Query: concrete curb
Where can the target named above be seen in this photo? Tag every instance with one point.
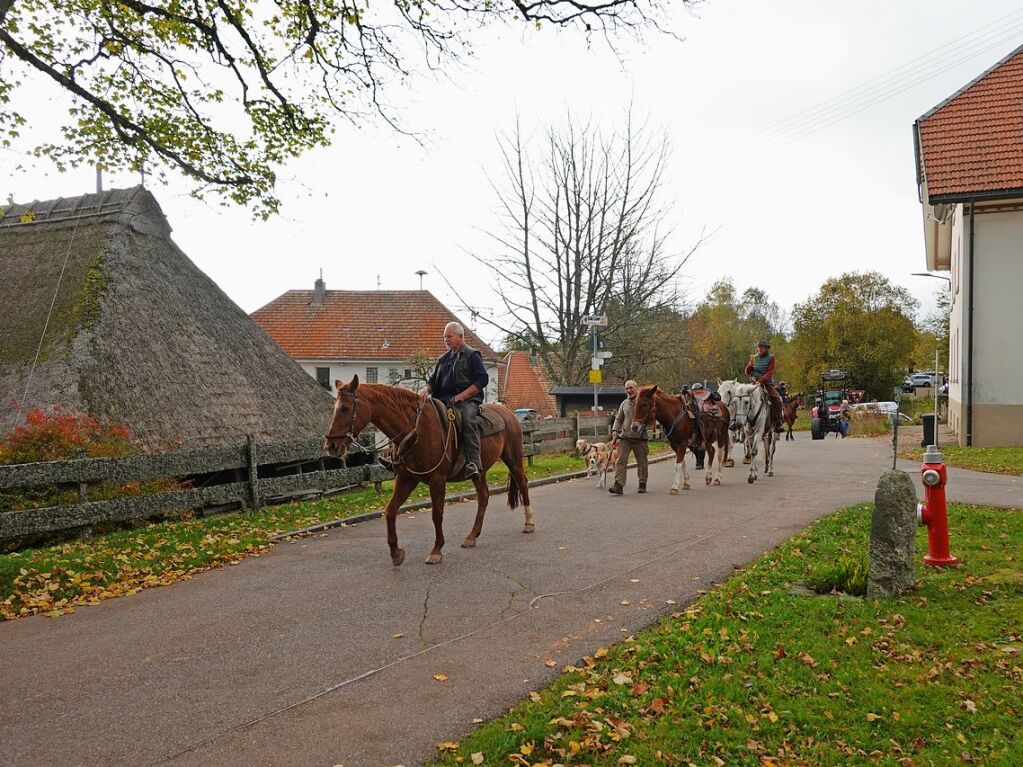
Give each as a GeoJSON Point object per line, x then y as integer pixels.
{"type": "Point", "coordinates": [455, 497]}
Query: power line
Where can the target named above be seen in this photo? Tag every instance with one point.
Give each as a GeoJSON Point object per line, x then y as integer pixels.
{"type": "Point", "coordinates": [900, 78]}
{"type": "Point", "coordinates": [812, 127]}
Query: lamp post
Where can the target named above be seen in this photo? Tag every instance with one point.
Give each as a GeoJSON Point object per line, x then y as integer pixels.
{"type": "Point", "coordinates": [935, 276]}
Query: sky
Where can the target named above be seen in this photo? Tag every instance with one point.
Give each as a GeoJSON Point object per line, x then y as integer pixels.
{"type": "Point", "coordinates": [786, 206]}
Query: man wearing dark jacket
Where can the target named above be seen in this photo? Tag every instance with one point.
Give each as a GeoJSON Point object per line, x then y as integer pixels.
{"type": "Point", "coordinates": [459, 380]}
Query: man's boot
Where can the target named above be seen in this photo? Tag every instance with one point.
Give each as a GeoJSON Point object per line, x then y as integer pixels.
{"type": "Point", "coordinates": [616, 489]}
{"type": "Point", "coordinates": [642, 487]}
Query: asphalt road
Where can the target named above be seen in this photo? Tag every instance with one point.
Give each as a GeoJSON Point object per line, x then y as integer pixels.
{"type": "Point", "coordinates": [292, 658]}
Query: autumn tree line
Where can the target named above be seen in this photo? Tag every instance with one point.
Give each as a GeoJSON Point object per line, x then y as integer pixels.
{"type": "Point", "coordinates": [585, 229]}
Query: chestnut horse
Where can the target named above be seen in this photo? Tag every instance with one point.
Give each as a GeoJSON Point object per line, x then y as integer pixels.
{"type": "Point", "coordinates": [788, 414]}
{"type": "Point", "coordinates": [426, 452]}
{"type": "Point", "coordinates": [677, 418]}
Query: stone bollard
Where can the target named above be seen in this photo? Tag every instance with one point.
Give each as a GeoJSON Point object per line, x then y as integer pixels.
{"type": "Point", "coordinates": [892, 536]}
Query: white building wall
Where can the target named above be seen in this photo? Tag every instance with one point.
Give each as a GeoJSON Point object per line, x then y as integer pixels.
{"type": "Point", "coordinates": [346, 369]}
{"type": "Point", "coordinates": [998, 308]}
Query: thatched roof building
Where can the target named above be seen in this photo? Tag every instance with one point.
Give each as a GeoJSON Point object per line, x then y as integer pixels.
{"type": "Point", "coordinates": [136, 331]}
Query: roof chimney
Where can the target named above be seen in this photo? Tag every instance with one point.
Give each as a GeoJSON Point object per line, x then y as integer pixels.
{"type": "Point", "coordinates": [319, 290]}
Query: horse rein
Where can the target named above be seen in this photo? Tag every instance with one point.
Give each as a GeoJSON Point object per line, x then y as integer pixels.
{"type": "Point", "coordinates": [353, 435]}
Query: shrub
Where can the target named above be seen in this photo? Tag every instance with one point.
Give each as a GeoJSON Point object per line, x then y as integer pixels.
{"type": "Point", "coordinates": [848, 576]}
{"type": "Point", "coordinates": [58, 435]}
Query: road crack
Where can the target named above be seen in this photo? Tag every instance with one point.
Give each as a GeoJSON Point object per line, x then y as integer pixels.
{"type": "Point", "coordinates": [422, 622]}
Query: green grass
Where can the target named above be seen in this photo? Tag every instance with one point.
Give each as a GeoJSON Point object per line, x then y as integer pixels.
{"type": "Point", "coordinates": [997, 460]}
{"type": "Point", "coordinates": [53, 579]}
{"type": "Point", "coordinates": [751, 674]}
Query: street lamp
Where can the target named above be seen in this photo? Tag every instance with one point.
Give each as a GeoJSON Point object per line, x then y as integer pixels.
{"type": "Point", "coordinates": [935, 276]}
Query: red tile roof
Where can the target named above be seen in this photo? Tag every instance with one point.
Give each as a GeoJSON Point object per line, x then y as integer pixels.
{"type": "Point", "coordinates": [526, 385]}
{"type": "Point", "coordinates": [973, 141]}
{"type": "Point", "coordinates": [361, 325]}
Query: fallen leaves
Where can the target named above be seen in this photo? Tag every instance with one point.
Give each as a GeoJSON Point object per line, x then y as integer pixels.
{"type": "Point", "coordinates": [441, 677]}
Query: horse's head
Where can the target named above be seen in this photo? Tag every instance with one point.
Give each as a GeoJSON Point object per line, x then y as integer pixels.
{"type": "Point", "coordinates": [350, 416]}
{"type": "Point", "coordinates": [739, 400]}
{"type": "Point", "coordinates": [645, 413]}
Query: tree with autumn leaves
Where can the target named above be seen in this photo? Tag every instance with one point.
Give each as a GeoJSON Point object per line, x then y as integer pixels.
{"type": "Point", "coordinates": [859, 322]}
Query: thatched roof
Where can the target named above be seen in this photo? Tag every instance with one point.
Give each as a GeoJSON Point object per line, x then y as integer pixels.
{"type": "Point", "coordinates": [137, 332]}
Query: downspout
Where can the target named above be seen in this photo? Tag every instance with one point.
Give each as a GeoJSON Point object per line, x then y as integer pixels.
{"type": "Point", "coordinates": [969, 334]}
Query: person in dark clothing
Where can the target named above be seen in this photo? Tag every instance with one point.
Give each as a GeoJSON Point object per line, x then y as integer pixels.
{"type": "Point", "coordinates": [700, 394]}
{"type": "Point", "coordinates": [783, 392]}
{"type": "Point", "coordinates": [459, 380]}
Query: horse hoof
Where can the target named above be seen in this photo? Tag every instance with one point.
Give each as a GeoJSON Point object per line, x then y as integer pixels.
{"type": "Point", "coordinates": [751, 480]}
{"type": "Point", "coordinates": [729, 463]}
{"type": "Point", "coordinates": [398, 558]}
{"type": "Point", "coordinates": [673, 491]}
{"type": "Point", "coordinates": [469, 543]}
{"type": "Point", "coordinates": [528, 527]}
{"type": "Point", "coordinates": [685, 486]}
{"type": "Point", "coordinates": [770, 473]}
{"type": "Point", "coordinates": [717, 482]}
{"type": "Point", "coordinates": [707, 479]}
{"type": "Point", "coordinates": [433, 559]}
{"type": "Point", "coordinates": [745, 460]}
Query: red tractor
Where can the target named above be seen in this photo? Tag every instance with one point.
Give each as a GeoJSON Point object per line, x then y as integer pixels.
{"type": "Point", "coordinates": [827, 410]}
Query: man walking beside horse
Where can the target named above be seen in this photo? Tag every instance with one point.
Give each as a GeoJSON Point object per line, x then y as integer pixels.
{"type": "Point", "coordinates": [760, 369]}
{"type": "Point", "coordinates": [632, 439]}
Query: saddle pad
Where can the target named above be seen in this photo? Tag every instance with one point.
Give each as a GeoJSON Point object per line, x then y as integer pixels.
{"type": "Point", "coordinates": [491, 422]}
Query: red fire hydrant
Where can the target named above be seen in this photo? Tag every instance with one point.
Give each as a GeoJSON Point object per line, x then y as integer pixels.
{"type": "Point", "coordinates": [933, 512]}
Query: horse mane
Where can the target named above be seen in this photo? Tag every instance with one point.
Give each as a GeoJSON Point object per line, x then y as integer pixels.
{"type": "Point", "coordinates": [397, 397]}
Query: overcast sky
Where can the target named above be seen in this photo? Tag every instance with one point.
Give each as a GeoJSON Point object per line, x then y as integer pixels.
{"type": "Point", "coordinates": [786, 214]}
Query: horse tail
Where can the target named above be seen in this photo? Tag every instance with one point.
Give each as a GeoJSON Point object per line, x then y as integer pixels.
{"type": "Point", "coordinates": [513, 491]}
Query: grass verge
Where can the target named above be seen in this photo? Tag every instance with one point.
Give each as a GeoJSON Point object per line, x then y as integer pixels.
{"type": "Point", "coordinates": [753, 675]}
{"type": "Point", "coordinates": [54, 579]}
{"type": "Point", "coordinates": [997, 460]}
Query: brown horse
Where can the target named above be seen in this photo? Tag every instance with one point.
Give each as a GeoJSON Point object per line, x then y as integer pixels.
{"type": "Point", "coordinates": [426, 452]}
{"type": "Point", "coordinates": [677, 416]}
{"type": "Point", "coordinates": [789, 414]}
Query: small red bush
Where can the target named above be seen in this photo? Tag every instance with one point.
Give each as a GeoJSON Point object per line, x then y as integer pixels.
{"type": "Point", "coordinates": [58, 434]}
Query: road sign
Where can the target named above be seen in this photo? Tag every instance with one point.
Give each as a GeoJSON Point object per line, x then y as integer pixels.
{"type": "Point", "coordinates": [594, 319]}
{"type": "Point", "coordinates": [604, 355]}
{"type": "Point", "coordinates": [594, 376]}
{"type": "Point", "coordinates": [596, 363]}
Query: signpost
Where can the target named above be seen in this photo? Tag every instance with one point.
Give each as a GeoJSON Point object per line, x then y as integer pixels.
{"type": "Point", "coordinates": [595, 321]}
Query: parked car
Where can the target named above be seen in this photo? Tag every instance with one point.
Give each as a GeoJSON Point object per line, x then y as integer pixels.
{"type": "Point", "coordinates": [526, 414]}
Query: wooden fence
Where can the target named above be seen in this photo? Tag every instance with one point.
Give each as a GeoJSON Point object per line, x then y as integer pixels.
{"type": "Point", "coordinates": [244, 462]}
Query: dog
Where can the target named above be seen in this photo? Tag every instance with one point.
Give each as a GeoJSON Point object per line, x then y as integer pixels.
{"type": "Point", "coordinates": [600, 458]}
{"type": "Point", "coordinates": [591, 454]}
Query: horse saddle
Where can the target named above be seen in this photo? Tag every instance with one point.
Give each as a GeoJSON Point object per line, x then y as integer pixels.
{"type": "Point", "coordinates": [489, 422]}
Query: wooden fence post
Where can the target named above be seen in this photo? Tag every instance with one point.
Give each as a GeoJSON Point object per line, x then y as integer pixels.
{"type": "Point", "coordinates": [84, 532]}
{"type": "Point", "coordinates": [529, 458]}
{"type": "Point", "coordinates": [578, 430]}
{"type": "Point", "coordinates": [250, 444]}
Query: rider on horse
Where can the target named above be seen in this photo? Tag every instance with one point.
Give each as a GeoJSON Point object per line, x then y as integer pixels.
{"type": "Point", "coordinates": [459, 380]}
{"type": "Point", "coordinates": [760, 368]}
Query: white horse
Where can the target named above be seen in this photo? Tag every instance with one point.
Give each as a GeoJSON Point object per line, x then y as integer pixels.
{"type": "Point", "coordinates": [750, 407]}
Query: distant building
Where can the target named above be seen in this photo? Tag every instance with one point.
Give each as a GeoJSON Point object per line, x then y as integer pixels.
{"type": "Point", "coordinates": [969, 165]}
{"type": "Point", "coordinates": [377, 334]}
{"type": "Point", "coordinates": [525, 385]}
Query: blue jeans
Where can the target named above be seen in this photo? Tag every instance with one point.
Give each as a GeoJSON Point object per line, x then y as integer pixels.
{"type": "Point", "coordinates": [843, 428]}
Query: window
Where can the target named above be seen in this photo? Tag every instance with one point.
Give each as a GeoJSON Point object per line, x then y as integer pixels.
{"type": "Point", "coordinates": [323, 377]}
{"type": "Point", "coordinates": [392, 376]}
{"type": "Point", "coordinates": [371, 375]}
{"type": "Point", "coordinates": [408, 374]}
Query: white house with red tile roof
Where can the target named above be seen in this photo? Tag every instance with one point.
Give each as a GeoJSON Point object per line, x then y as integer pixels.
{"type": "Point", "coordinates": [969, 165]}
{"type": "Point", "coordinates": [336, 334]}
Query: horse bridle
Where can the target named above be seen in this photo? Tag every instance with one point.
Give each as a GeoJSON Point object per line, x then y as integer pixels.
{"type": "Point", "coordinates": [747, 418]}
{"type": "Point", "coordinates": [351, 434]}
